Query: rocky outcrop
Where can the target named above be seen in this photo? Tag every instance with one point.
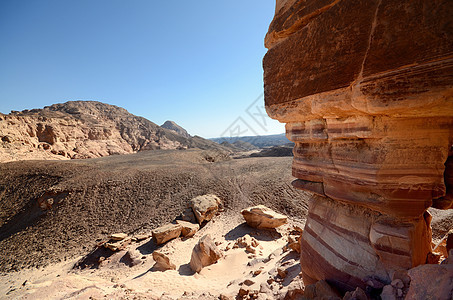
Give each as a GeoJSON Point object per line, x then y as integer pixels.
{"type": "Point", "coordinates": [165, 233]}
{"type": "Point", "coordinates": [204, 253]}
{"type": "Point", "coordinates": [176, 128]}
{"type": "Point", "coordinates": [366, 93]}
{"type": "Point", "coordinates": [261, 216]}
{"type": "Point", "coordinates": [205, 207]}
{"type": "Point", "coordinates": [85, 129]}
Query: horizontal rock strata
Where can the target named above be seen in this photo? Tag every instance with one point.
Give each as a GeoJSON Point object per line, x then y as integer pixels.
{"type": "Point", "coordinates": [366, 91]}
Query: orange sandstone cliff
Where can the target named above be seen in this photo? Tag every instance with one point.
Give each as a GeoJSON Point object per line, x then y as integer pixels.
{"type": "Point", "coordinates": [366, 91]}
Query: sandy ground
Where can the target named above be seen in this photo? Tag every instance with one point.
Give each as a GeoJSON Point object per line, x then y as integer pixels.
{"type": "Point", "coordinates": [115, 279]}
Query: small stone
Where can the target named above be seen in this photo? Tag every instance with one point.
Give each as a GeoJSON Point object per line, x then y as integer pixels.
{"type": "Point", "coordinates": [282, 272]}
{"type": "Point", "coordinates": [188, 229]}
{"type": "Point", "coordinates": [257, 272]}
{"type": "Point", "coordinates": [248, 282]}
{"type": "Point", "coordinates": [141, 237]}
{"type": "Point", "coordinates": [388, 293]}
{"type": "Point", "coordinates": [118, 236]}
{"type": "Point", "coordinates": [162, 262]}
{"type": "Point", "coordinates": [243, 292]}
{"type": "Point", "coordinates": [398, 283]}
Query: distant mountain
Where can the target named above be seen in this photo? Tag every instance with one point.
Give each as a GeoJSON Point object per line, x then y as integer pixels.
{"type": "Point", "coordinates": [85, 129]}
{"type": "Point", "coordinates": [176, 128]}
{"type": "Point", "coordinates": [259, 141]}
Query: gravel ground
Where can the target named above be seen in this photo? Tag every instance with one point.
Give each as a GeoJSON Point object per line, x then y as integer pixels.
{"type": "Point", "coordinates": [55, 210]}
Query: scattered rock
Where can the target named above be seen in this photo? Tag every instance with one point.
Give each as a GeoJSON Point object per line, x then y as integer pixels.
{"type": "Point", "coordinates": [188, 215]}
{"type": "Point", "coordinates": [262, 217]}
{"type": "Point", "coordinates": [388, 293]}
{"type": "Point", "coordinates": [295, 289]}
{"type": "Point", "coordinates": [162, 262]}
{"type": "Point", "coordinates": [118, 236]}
{"type": "Point", "coordinates": [321, 290]}
{"type": "Point", "coordinates": [204, 253]}
{"type": "Point", "coordinates": [248, 282]}
{"type": "Point", "coordinates": [188, 229]}
{"type": "Point", "coordinates": [205, 207]}
{"type": "Point", "coordinates": [449, 244]}
{"type": "Point", "coordinates": [431, 282]}
{"type": "Point", "coordinates": [397, 283]}
{"type": "Point", "coordinates": [165, 233]}
{"type": "Point", "coordinates": [118, 245]}
{"type": "Point", "coordinates": [358, 294]}
{"type": "Point", "coordinates": [282, 272]}
{"type": "Point", "coordinates": [141, 237]}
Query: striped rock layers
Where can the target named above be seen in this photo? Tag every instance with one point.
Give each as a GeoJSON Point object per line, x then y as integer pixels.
{"type": "Point", "coordinates": [366, 90]}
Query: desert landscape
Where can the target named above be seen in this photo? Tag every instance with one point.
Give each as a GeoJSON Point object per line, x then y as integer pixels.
{"type": "Point", "coordinates": [353, 202]}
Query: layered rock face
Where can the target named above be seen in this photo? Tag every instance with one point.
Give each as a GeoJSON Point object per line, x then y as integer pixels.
{"type": "Point", "coordinates": [366, 91]}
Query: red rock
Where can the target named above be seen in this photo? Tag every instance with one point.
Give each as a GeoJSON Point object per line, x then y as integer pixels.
{"type": "Point", "coordinates": [367, 95]}
{"type": "Point", "coordinates": [431, 282]}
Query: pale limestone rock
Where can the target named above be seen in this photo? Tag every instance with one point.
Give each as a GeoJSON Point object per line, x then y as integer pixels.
{"type": "Point", "coordinates": [204, 253]}
{"type": "Point", "coordinates": [188, 229]}
{"type": "Point", "coordinates": [166, 233]}
{"type": "Point", "coordinates": [118, 236]}
{"type": "Point", "coordinates": [262, 217]}
{"type": "Point", "coordinates": [205, 207]}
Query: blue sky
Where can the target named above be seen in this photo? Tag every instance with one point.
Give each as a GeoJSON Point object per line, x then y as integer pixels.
{"type": "Point", "coordinates": [198, 63]}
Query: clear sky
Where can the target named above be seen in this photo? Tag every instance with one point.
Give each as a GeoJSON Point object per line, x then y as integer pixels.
{"type": "Point", "coordinates": [198, 63]}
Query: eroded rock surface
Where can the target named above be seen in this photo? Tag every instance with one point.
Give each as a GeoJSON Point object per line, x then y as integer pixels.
{"type": "Point", "coordinates": [365, 88]}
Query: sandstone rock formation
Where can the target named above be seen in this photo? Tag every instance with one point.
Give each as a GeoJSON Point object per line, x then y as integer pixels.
{"type": "Point", "coordinates": [176, 128]}
{"type": "Point", "coordinates": [204, 253]}
{"type": "Point", "coordinates": [366, 91]}
{"type": "Point", "coordinates": [165, 233]}
{"type": "Point", "coordinates": [205, 207]}
{"type": "Point", "coordinates": [162, 262]}
{"type": "Point", "coordinates": [85, 129]}
{"type": "Point", "coordinates": [261, 216]}
{"type": "Point", "coordinates": [188, 229]}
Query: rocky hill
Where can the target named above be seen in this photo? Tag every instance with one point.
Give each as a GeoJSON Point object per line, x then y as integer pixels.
{"type": "Point", "coordinates": [176, 128]}
{"type": "Point", "coordinates": [259, 141]}
{"type": "Point", "coordinates": [86, 129]}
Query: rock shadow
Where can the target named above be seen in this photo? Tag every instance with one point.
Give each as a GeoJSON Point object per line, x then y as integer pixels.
{"type": "Point", "coordinates": [93, 259]}
{"type": "Point", "coordinates": [185, 270]}
{"type": "Point", "coordinates": [259, 234]}
{"type": "Point", "coordinates": [148, 248]}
